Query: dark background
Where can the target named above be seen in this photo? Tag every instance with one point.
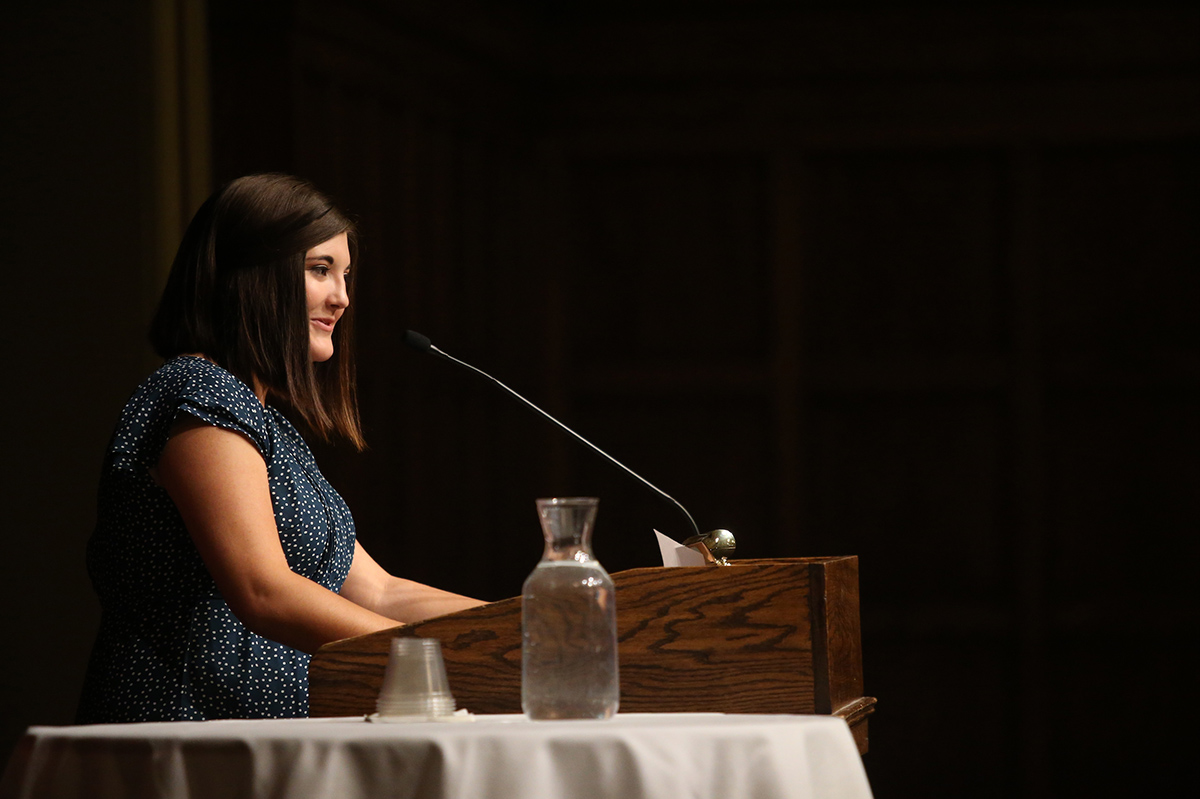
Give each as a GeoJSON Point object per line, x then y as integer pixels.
{"type": "Point", "coordinates": [913, 284]}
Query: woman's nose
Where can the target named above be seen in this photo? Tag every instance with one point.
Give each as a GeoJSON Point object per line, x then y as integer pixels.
{"type": "Point", "coordinates": [340, 296]}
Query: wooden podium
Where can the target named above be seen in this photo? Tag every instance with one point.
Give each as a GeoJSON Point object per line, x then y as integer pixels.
{"type": "Point", "coordinates": [758, 636]}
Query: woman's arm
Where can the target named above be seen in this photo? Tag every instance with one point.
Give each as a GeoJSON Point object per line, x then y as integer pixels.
{"type": "Point", "coordinates": [218, 480]}
{"type": "Point", "coordinates": [370, 586]}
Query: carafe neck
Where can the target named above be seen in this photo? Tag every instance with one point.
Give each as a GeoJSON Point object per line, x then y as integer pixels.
{"type": "Point", "coordinates": [567, 528]}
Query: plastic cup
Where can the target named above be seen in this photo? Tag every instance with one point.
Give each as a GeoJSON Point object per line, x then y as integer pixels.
{"type": "Point", "coordinates": [415, 683]}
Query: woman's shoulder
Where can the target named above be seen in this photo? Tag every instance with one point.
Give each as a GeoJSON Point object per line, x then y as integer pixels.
{"type": "Point", "coordinates": [205, 390]}
{"type": "Point", "coordinates": [194, 377]}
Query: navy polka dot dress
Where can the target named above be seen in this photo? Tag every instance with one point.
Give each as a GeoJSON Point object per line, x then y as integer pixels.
{"type": "Point", "coordinates": [168, 646]}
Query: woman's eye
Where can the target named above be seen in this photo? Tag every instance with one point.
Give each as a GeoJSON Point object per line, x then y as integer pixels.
{"type": "Point", "coordinates": [319, 269]}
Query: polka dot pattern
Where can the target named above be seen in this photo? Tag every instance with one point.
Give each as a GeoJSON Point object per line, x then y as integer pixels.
{"type": "Point", "coordinates": [169, 647]}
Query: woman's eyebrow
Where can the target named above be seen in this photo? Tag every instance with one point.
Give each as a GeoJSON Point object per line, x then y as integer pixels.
{"type": "Point", "coordinates": [326, 258]}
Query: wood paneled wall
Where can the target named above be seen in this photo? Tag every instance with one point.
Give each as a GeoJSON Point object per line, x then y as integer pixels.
{"type": "Point", "coordinates": [915, 286]}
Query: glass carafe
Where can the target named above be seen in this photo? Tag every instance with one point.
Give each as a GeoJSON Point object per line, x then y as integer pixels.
{"type": "Point", "coordinates": [569, 621]}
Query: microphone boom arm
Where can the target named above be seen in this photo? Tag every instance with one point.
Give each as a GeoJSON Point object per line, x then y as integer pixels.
{"type": "Point", "coordinates": [420, 342]}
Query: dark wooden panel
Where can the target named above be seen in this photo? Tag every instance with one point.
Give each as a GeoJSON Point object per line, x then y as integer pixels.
{"type": "Point", "coordinates": [657, 42]}
{"type": "Point", "coordinates": [670, 261]}
{"type": "Point", "coordinates": [253, 105]}
{"type": "Point", "coordinates": [1120, 248]}
{"type": "Point", "coordinates": [952, 726]}
{"type": "Point", "coordinates": [1125, 467]}
{"type": "Point", "coordinates": [1121, 721]}
{"type": "Point", "coordinates": [903, 256]}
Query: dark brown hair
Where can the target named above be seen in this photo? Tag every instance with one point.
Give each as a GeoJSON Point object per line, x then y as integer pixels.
{"type": "Point", "coordinates": [236, 294]}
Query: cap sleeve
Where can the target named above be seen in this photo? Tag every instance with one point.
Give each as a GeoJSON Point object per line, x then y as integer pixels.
{"type": "Point", "coordinates": [216, 397]}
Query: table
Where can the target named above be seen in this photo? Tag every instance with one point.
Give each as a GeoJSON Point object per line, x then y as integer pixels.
{"type": "Point", "coordinates": [653, 755]}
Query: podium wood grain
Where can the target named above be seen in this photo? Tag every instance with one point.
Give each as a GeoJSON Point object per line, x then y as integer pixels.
{"type": "Point", "coordinates": [761, 636]}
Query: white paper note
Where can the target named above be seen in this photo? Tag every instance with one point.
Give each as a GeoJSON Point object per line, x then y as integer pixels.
{"type": "Point", "coordinates": [676, 554]}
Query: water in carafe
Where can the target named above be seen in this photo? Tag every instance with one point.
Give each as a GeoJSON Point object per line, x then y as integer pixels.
{"type": "Point", "coordinates": [569, 622]}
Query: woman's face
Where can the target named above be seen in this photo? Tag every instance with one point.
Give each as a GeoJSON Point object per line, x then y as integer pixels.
{"type": "Point", "coordinates": [326, 271]}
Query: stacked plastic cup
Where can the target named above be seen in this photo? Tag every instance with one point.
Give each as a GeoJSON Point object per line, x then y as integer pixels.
{"type": "Point", "coordinates": [415, 683]}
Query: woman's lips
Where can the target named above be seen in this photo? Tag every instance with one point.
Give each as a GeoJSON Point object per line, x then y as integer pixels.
{"type": "Point", "coordinates": [323, 324]}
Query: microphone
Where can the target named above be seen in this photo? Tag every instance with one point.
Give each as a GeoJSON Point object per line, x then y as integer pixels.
{"type": "Point", "coordinates": [417, 341]}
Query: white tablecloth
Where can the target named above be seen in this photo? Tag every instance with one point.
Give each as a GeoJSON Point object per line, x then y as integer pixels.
{"type": "Point", "coordinates": [663, 756]}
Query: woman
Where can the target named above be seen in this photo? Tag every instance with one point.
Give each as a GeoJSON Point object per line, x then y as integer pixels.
{"type": "Point", "coordinates": [221, 556]}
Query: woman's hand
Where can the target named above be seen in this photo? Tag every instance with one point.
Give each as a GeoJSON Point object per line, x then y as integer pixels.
{"type": "Point", "coordinates": [218, 481]}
